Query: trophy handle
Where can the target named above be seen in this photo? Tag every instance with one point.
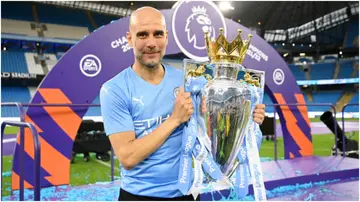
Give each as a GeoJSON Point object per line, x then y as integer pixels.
{"type": "Point", "coordinates": [260, 75]}
{"type": "Point", "coordinates": [192, 68]}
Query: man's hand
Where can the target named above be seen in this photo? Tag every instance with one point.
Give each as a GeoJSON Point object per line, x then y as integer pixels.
{"type": "Point", "coordinates": [183, 108]}
{"type": "Point", "coordinates": [259, 113]}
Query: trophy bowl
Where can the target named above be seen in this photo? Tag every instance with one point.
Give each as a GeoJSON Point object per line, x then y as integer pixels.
{"type": "Point", "coordinates": [226, 114]}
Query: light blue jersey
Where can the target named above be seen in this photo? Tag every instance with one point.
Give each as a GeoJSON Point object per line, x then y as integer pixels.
{"type": "Point", "coordinates": [129, 103]}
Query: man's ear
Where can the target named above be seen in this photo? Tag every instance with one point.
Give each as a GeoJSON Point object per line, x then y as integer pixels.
{"type": "Point", "coordinates": [128, 37]}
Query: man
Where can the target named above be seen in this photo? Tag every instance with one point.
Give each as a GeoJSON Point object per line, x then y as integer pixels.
{"type": "Point", "coordinates": [143, 115]}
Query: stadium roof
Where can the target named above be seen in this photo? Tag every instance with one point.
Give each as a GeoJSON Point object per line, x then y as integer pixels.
{"type": "Point", "coordinates": [271, 15]}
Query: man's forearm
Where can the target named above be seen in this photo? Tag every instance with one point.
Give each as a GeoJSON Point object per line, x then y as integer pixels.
{"type": "Point", "coordinates": [139, 149]}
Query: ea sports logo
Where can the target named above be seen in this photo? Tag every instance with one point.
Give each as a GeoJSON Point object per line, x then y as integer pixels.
{"type": "Point", "coordinates": [191, 19]}
{"type": "Point", "coordinates": [278, 76]}
{"type": "Point", "coordinates": [90, 65]}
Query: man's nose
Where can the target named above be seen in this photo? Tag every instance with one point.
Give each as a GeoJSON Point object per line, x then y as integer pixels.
{"type": "Point", "coordinates": [151, 42]}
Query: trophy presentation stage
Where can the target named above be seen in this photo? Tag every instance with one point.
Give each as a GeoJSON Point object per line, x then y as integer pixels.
{"type": "Point", "coordinates": [307, 178]}
{"type": "Point", "coordinates": [299, 176]}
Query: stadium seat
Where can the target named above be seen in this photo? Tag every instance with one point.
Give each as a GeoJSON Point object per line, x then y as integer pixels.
{"type": "Point", "coordinates": [346, 69]}
{"type": "Point", "coordinates": [13, 61]}
{"type": "Point", "coordinates": [322, 71]}
{"type": "Point", "coordinates": [13, 94]}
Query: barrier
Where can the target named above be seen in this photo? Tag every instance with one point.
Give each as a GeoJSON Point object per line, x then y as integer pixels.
{"type": "Point", "coordinates": [21, 106]}
{"type": "Point", "coordinates": [295, 104]}
{"type": "Point", "coordinates": [343, 123]}
{"type": "Point", "coordinates": [37, 157]}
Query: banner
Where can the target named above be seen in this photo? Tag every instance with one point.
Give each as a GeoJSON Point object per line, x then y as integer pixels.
{"type": "Point", "coordinates": [20, 79]}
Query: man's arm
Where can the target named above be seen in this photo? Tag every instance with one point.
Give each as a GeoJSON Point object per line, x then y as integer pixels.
{"type": "Point", "coordinates": [131, 151]}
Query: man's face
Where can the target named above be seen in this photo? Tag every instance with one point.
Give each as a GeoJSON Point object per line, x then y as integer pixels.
{"type": "Point", "coordinates": [148, 37]}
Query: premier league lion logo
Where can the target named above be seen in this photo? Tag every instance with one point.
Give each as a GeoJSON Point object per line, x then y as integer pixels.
{"type": "Point", "coordinates": [198, 22]}
{"type": "Point", "coordinates": [190, 21]}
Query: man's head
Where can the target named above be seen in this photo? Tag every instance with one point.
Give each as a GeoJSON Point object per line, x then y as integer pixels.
{"type": "Point", "coordinates": [148, 36]}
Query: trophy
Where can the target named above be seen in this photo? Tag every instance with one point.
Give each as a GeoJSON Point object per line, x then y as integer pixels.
{"type": "Point", "coordinates": [223, 109]}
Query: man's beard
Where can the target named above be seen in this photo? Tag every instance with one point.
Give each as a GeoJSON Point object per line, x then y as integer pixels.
{"type": "Point", "coordinates": [151, 64]}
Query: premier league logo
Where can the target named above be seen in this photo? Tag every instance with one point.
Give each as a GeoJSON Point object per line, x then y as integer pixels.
{"type": "Point", "coordinates": [198, 22]}
{"type": "Point", "coordinates": [191, 19]}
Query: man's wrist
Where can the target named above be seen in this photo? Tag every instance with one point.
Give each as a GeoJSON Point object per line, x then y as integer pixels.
{"type": "Point", "coordinates": [174, 122]}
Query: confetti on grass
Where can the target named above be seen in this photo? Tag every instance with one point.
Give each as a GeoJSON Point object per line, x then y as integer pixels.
{"type": "Point", "coordinates": [6, 174]}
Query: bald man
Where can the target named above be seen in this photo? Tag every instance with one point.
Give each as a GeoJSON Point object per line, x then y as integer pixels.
{"type": "Point", "coordinates": [143, 116]}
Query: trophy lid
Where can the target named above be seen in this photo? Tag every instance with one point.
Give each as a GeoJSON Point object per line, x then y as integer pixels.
{"type": "Point", "coordinates": [221, 51]}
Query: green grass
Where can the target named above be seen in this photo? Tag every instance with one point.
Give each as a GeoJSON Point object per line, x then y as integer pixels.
{"type": "Point", "coordinates": [11, 130]}
{"type": "Point", "coordinates": [81, 172]}
{"type": "Point", "coordinates": [322, 145]}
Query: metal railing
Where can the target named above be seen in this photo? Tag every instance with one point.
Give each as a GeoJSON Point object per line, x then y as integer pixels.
{"type": "Point", "coordinates": [37, 158]}
{"type": "Point", "coordinates": [297, 105]}
{"type": "Point", "coordinates": [343, 123]}
{"type": "Point", "coordinates": [21, 106]}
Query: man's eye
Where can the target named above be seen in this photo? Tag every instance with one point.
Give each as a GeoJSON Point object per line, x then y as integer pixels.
{"type": "Point", "coordinates": [142, 35]}
{"type": "Point", "coordinates": [160, 34]}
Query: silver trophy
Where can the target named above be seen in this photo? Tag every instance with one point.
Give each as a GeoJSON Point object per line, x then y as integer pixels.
{"type": "Point", "coordinates": [225, 109]}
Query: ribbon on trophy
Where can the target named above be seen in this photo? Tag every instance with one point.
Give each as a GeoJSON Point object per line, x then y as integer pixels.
{"type": "Point", "coordinates": [194, 136]}
{"type": "Point", "coordinates": [241, 183]}
{"type": "Point", "coordinates": [252, 143]}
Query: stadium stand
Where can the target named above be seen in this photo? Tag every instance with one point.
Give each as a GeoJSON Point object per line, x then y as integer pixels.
{"type": "Point", "coordinates": [33, 67]}
{"type": "Point", "coordinates": [65, 31]}
{"type": "Point", "coordinates": [17, 27]}
{"type": "Point", "coordinates": [66, 23]}
{"type": "Point", "coordinates": [346, 69]}
{"type": "Point", "coordinates": [325, 97]}
{"type": "Point", "coordinates": [322, 71]}
{"type": "Point", "coordinates": [13, 94]}
{"type": "Point", "coordinates": [354, 100]}
{"type": "Point", "coordinates": [352, 35]}
{"type": "Point", "coordinates": [299, 74]}
{"type": "Point", "coordinates": [25, 28]}
{"type": "Point", "coordinates": [13, 61]}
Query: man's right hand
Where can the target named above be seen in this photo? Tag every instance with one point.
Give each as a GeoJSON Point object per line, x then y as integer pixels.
{"type": "Point", "coordinates": [183, 107]}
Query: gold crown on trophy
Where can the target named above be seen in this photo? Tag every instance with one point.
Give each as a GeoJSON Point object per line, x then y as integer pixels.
{"type": "Point", "coordinates": [223, 51]}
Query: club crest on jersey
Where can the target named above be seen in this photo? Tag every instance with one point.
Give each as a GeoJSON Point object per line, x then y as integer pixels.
{"type": "Point", "coordinates": [176, 91]}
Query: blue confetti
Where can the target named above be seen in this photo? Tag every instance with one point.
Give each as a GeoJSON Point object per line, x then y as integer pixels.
{"type": "Point", "coordinates": [6, 174]}
{"type": "Point", "coordinates": [310, 197]}
{"type": "Point", "coordinates": [110, 193]}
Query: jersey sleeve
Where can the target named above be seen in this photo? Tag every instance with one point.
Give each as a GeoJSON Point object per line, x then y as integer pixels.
{"type": "Point", "coordinates": [115, 110]}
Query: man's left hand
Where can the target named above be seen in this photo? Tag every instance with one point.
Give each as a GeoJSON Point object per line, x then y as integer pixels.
{"type": "Point", "coordinates": [259, 113]}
